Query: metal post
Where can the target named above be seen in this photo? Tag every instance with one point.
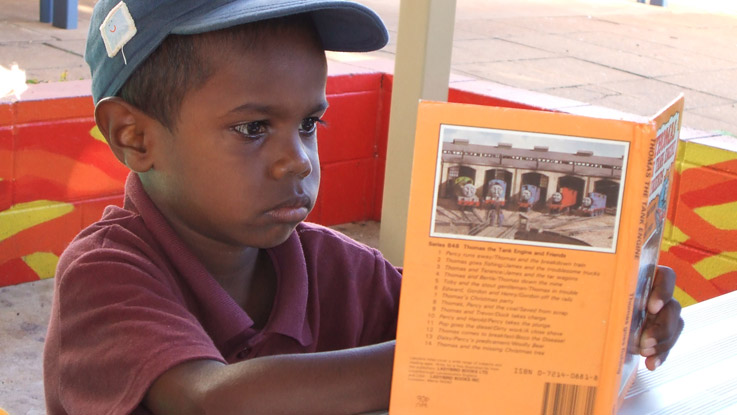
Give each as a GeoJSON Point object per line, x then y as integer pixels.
{"type": "Point", "coordinates": [421, 71]}
{"type": "Point", "coordinates": [65, 14]}
{"type": "Point", "coordinates": [46, 10]}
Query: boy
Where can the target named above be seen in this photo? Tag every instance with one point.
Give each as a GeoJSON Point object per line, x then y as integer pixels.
{"type": "Point", "coordinates": [206, 293]}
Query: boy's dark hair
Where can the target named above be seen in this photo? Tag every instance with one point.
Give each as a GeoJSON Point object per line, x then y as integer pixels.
{"type": "Point", "coordinates": [177, 66]}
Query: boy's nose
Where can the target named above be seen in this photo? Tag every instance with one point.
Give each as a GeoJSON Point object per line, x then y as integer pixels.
{"type": "Point", "coordinates": [293, 158]}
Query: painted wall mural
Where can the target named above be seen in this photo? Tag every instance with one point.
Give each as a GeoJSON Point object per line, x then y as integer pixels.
{"type": "Point", "coordinates": [56, 178]}
{"type": "Point", "coordinates": [701, 235]}
{"type": "Point", "coordinates": [57, 175]}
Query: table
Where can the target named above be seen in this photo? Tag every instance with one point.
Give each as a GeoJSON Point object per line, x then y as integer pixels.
{"type": "Point", "coordinates": [700, 374]}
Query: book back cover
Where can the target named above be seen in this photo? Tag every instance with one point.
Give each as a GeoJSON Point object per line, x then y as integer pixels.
{"type": "Point", "coordinates": [522, 236]}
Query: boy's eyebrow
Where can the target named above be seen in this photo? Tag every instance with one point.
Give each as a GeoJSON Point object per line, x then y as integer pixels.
{"type": "Point", "coordinates": [270, 109]}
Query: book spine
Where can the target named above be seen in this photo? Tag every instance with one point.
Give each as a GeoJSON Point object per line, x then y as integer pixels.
{"type": "Point", "coordinates": [616, 359]}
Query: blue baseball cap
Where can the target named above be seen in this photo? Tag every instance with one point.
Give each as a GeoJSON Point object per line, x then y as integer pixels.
{"type": "Point", "coordinates": [124, 33]}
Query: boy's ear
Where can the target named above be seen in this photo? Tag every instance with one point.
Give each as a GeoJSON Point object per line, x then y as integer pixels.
{"type": "Point", "coordinates": [124, 127]}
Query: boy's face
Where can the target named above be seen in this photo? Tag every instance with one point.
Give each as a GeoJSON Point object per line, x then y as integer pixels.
{"type": "Point", "coordinates": [241, 166]}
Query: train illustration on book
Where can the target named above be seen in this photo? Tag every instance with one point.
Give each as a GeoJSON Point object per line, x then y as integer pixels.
{"type": "Point", "coordinates": [565, 200]}
{"type": "Point", "coordinates": [497, 189]}
{"type": "Point", "coordinates": [466, 192]}
{"type": "Point", "coordinates": [529, 195]}
{"type": "Point", "coordinates": [530, 205]}
{"type": "Point", "coordinates": [594, 204]}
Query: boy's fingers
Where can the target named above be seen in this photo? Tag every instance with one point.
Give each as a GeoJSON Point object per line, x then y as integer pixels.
{"type": "Point", "coordinates": [664, 324]}
{"type": "Point", "coordinates": [653, 362]}
{"type": "Point", "coordinates": [662, 330]}
{"type": "Point", "coordinates": [662, 292]}
{"type": "Point", "coordinates": [660, 334]}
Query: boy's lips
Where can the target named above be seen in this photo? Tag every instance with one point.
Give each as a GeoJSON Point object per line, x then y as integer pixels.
{"type": "Point", "coordinates": [292, 210]}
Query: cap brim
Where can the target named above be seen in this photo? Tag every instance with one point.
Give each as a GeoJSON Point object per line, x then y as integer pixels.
{"type": "Point", "coordinates": [342, 26]}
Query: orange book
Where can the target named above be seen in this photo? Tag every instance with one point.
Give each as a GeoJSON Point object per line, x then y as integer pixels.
{"type": "Point", "coordinates": [532, 238]}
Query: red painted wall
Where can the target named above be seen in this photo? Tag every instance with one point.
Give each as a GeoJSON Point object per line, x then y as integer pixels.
{"type": "Point", "coordinates": [57, 174]}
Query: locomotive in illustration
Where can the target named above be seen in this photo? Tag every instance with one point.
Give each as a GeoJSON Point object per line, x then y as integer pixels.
{"type": "Point", "coordinates": [593, 204]}
{"type": "Point", "coordinates": [563, 200]}
{"type": "Point", "coordinates": [529, 195]}
{"type": "Point", "coordinates": [497, 189]}
{"type": "Point", "coordinates": [494, 200]}
{"type": "Point", "coordinates": [466, 192]}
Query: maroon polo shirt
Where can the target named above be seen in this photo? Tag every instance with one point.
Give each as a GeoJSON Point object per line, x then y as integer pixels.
{"type": "Point", "coordinates": [132, 301]}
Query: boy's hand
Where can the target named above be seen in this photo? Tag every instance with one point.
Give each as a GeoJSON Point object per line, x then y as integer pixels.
{"type": "Point", "coordinates": [664, 323]}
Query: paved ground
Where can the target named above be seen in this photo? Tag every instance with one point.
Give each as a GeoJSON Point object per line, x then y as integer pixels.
{"type": "Point", "coordinates": [612, 53]}
{"type": "Point", "coordinates": [618, 54]}
{"type": "Point", "coordinates": [615, 53]}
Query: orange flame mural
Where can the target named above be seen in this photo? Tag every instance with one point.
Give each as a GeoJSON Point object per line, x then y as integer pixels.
{"type": "Point", "coordinates": [701, 239]}
{"type": "Point", "coordinates": [55, 179]}
{"type": "Point", "coordinates": [57, 174]}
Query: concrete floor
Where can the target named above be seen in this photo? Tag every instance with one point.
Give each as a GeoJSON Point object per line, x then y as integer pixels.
{"type": "Point", "coordinates": [617, 54]}
{"type": "Point", "coordinates": [24, 316]}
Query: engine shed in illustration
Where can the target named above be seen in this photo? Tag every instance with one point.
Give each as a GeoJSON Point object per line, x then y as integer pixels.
{"type": "Point", "coordinates": [524, 179]}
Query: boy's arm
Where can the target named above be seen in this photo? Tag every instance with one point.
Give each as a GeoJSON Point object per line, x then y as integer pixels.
{"type": "Point", "coordinates": [337, 382]}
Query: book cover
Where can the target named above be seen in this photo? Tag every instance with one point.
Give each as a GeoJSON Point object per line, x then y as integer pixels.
{"type": "Point", "coordinates": [532, 238]}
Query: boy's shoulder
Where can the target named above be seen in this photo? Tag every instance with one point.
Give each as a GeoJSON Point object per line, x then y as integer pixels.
{"type": "Point", "coordinates": [114, 221]}
{"type": "Point", "coordinates": [119, 231]}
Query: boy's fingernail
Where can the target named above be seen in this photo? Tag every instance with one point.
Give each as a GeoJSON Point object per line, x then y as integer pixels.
{"type": "Point", "coordinates": [647, 352]}
{"type": "Point", "coordinates": [649, 342]}
{"type": "Point", "coordinates": [656, 363]}
{"type": "Point", "coordinates": [657, 305]}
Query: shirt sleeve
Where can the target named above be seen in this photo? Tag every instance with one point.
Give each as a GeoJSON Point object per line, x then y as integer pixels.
{"type": "Point", "coordinates": [119, 327]}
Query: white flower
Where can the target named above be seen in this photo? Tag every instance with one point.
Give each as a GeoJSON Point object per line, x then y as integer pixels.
{"type": "Point", "coordinates": [12, 81]}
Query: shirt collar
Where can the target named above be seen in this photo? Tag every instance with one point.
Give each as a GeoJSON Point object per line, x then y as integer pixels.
{"type": "Point", "coordinates": [289, 315]}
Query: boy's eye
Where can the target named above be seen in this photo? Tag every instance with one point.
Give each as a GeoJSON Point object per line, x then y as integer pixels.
{"type": "Point", "coordinates": [253, 129]}
{"type": "Point", "coordinates": [309, 125]}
